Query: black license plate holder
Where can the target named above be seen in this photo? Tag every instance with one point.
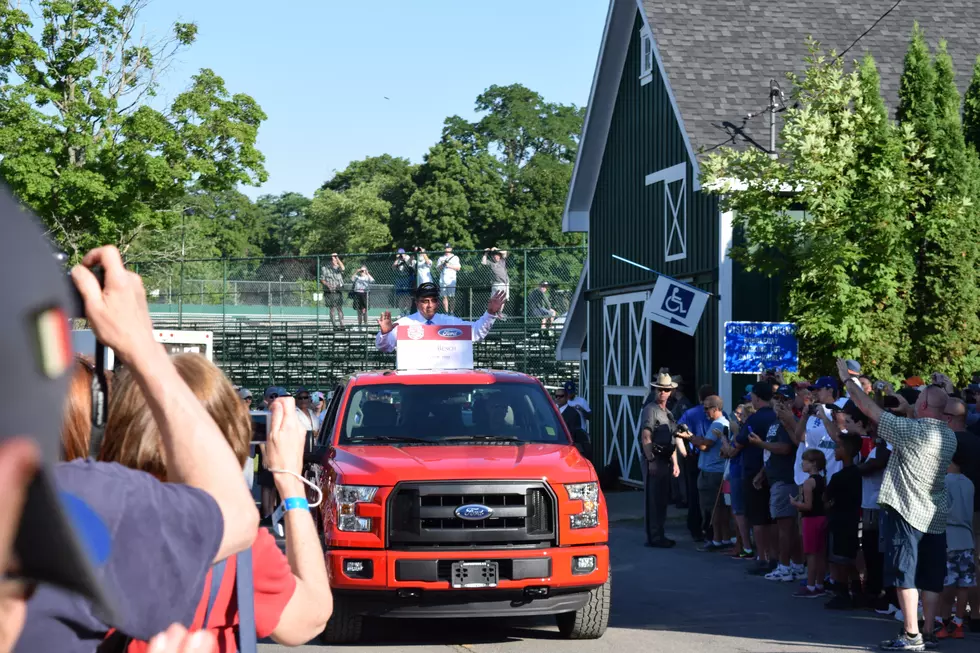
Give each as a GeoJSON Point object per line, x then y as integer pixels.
{"type": "Point", "coordinates": [474, 575]}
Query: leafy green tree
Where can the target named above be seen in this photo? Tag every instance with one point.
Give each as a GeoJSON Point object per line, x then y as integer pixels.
{"type": "Point", "coordinates": [439, 211]}
{"type": "Point", "coordinates": [971, 108]}
{"type": "Point", "coordinates": [394, 178]}
{"type": "Point", "coordinates": [80, 145]}
{"type": "Point", "coordinates": [355, 220]}
{"type": "Point", "coordinates": [283, 218]}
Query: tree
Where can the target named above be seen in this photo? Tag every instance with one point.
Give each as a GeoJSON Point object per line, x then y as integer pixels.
{"type": "Point", "coordinates": [439, 211]}
{"type": "Point", "coordinates": [394, 178]}
{"type": "Point", "coordinates": [283, 218]}
{"type": "Point", "coordinates": [355, 220]}
{"type": "Point", "coordinates": [80, 145]}
{"type": "Point", "coordinates": [971, 108]}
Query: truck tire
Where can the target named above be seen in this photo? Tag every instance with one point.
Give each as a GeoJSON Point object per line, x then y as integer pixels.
{"type": "Point", "coordinates": [589, 621]}
{"type": "Point", "coordinates": [344, 626]}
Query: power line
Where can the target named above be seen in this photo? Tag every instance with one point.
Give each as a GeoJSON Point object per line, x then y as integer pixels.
{"type": "Point", "coordinates": [868, 31]}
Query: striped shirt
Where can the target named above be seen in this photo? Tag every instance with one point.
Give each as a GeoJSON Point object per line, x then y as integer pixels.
{"type": "Point", "coordinates": [914, 483]}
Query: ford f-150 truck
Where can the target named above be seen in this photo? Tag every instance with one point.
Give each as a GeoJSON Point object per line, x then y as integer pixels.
{"type": "Point", "coordinates": [459, 494]}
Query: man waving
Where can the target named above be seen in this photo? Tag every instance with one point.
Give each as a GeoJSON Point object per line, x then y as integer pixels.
{"type": "Point", "coordinates": [427, 300]}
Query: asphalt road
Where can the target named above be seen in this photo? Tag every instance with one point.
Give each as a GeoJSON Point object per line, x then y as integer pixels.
{"type": "Point", "coordinates": [674, 600]}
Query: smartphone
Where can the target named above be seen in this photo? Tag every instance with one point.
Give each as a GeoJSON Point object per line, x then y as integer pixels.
{"type": "Point", "coordinates": [260, 426]}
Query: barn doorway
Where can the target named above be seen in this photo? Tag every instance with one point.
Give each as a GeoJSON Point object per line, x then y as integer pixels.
{"type": "Point", "coordinates": [676, 351]}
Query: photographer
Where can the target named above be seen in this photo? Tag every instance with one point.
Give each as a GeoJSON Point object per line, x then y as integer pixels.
{"type": "Point", "coordinates": [292, 594]}
{"type": "Point", "coordinates": [498, 268]}
{"type": "Point", "coordinates": [163, 535]}
{"type": "Point", "coordinates": [423, 266]}
{"type": "Point", "coordinates": [332, 279]}
{"type": "Point", "coordinates": [404, 267]}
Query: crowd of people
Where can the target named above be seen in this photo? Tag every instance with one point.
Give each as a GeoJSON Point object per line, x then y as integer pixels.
{"type": "Point", "coordinates": [127, 518]}
{"type": "Point", "coordinates": [862, 494]}
{"type": "Point", "coordinates": [413, 269]}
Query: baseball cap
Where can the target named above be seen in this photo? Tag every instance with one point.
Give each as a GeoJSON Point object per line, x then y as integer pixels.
{"type": "Point", "coordinates": [316, 396]}
{"type": "Point", "coordinates": [60, 539]}
{"type": "Point", "coordinates": [569, 387]}
{"type": "Point", "coordinates": [276, 390]}
{"type": "Point", "coordinates": [825, 383]}
{"type": "Point", "coordinates": [914, 382]}
{"type": "Point", "coordinates": [763, 391]}
{"type": "Point", "coordinates": [853, 367]}
{"type": "Point", "coordinates": [427, 289]}
{"type": "Point", "coordinates": [786, 391]}
{"type": "Point", "coordinates": [244, 393]}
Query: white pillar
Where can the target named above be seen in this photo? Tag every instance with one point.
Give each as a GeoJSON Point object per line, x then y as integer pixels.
{"type": "Point", "coordinates": [725, 273]}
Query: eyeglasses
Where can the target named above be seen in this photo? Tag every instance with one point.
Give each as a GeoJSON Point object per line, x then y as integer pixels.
{"type": "Point", "coordinates": [559, 395]}
{"type": "Point", "coordinates": [302, 397]}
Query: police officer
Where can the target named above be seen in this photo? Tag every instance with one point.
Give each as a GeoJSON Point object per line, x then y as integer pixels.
{"type": "Point", "coordinates": [658, 427]}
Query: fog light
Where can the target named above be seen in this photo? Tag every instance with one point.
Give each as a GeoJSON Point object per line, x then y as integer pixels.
{"type": "Point", "coordinates": [583, 564]}
{"type": "Point", "coordinates": [358, 568]}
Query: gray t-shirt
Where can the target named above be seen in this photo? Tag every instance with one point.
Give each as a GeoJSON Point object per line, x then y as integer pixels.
{"type": "Point", "coordinates": [499, 271]}
{"type": "Point", "coordinates": [779, 467]}
{"type": "Point", "coordinates": [959, 525]}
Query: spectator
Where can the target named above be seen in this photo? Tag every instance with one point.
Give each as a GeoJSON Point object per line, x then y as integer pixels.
{"type": "Point", "coordinates": [573, 420]}
{"type": "Point", "coordinates": [318, 405]}
{"type": "Point", "coordinates": [657, 431]}
{"type": "Point", "coordinates": [755, 488]}
{"type": "Point", "coordinates": [209, 506]}
{"type": "Point", "coordinates": [779, 453]}
{"type": "Point", "coordinates": [872, 471]}
{"type": "Point", "coordinates": [811, 506]}
{"type": "Point", "coordinates": [77, 428]}
{"type": "Point", "coordinates": [843, 501]}
{"type": "Point", "coordinates": [404, 267]}
{"type": "Point", "coordinates": [539, 304]}
{"type": "Point", "coordinates": [706, 435]}
{"type": "Point", "coordinates": [360, 290]}
{"type": "Point", "coordinates": [968, 453]}
{"type": "Point", "coordinates": [577, 401]}
{"type": "Point", "coordinates": [915, 504]}
{"type": "Point", "coordinates": [423, 267]}
{"type": "Point", "coordinates": [961, 567]}
{"type": "Point", "coordinates": [292, 596]}
{"type": "Point", "coordinates": [448, 266]}
{"type": "Point", "coordinates": [817, 430]}
{"type": "Point", "coordinates": [246, 396]}
{"type": "Point", "coordinates": [332, 279]}
{"type": "Point", "coordinates": [308, 418]}
{"type": "Point", "coordinates": [693, 422]}
{"type": "Point", "coordinates": [732, 452]}
{"type": "Point", "coordinates": [498, 268]}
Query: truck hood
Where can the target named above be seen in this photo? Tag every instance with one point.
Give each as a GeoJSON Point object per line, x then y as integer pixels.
{"type": "Point", "coordinates": [387, 465]}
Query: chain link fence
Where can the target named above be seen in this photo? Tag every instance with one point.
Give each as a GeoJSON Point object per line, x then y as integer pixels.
{"type": "Point", "coordinates": [292, 321]}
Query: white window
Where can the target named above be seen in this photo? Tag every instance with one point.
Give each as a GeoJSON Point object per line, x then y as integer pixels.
{"type": "Point", "coordinates": [674, 181]}
{"type": "Point", "coordinates": [646, 55]}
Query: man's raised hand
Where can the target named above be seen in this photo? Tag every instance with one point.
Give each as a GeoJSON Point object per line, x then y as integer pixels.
{"type": "Point", "coordinates": [496, 303]}
{"type": "Point", "coordinates": [385, 323]}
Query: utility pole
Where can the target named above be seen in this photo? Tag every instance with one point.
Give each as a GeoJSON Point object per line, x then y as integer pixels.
{"type": "Point", "coordinates": [775, 93]}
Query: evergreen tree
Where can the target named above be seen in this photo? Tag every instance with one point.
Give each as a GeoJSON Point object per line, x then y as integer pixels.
{"type": "Point", "coordinates": [971, 109]}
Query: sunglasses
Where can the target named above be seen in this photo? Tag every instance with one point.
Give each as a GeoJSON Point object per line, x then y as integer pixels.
{"type": "Point", "coordinates": [302, 397]}
{"type": "Point", "coordinates": [560, 395]}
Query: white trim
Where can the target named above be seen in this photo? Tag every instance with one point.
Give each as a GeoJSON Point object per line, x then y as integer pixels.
{"type": "Point", "coordinates": [696, 182]}
{"type": "Point", "coordinates": [571, 351]}
{"type": "Point", "coordinates": [673, 173]}
{"type": "Point", "coordinates": [726, 221]}
{"type": "Point", "coordinates": [675, 213]}
{"type": "Point", "coordinates": [646, 79]}
{"type": "Point", "coordinates": [646, 68]}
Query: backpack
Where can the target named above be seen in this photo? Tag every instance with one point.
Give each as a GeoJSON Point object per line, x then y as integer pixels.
{"type": "Point", "coordinates": [246, 639]}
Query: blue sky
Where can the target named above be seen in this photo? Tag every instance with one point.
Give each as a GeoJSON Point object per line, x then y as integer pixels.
{"type": "Point", "coordinates": [321, 69]}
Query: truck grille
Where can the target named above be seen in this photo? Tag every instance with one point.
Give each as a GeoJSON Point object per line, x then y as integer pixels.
{"type": "Point", "coordinates": [423, 515]}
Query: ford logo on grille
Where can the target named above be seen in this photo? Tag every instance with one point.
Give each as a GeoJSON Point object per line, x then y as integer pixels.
{"type": "Point", "coordinates": [474, 512]}
{"type": "Point", "coordinates": [450, 333]}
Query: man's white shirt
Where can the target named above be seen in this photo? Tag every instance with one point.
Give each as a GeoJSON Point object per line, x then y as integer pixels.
{"type": "Point", "coordinates": [388, 342]}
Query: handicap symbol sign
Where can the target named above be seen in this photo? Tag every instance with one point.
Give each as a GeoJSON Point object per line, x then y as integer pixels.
{"type": "Point", "coordinates": [678, 301]}
{"type": "Point", "coordinates": [676, 304]}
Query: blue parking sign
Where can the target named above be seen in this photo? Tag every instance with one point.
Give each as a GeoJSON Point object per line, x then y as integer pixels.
{"type": "Point", "coordinates": [752, 347]}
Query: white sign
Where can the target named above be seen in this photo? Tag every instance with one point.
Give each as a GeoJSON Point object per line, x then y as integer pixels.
{"type": "Point", "coordinates": [434, 347]}
{"type": "Point", "coordinates": [676, 305]}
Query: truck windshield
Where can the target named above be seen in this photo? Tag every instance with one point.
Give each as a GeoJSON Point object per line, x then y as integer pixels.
{"type": "Point", "coordinates": [450, 414]}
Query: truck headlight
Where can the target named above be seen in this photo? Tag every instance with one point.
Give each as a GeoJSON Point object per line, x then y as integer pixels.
{"type": "Point", "coordinates": [346, 498]}
{"type": "Point", "coordinates": [588, 494]}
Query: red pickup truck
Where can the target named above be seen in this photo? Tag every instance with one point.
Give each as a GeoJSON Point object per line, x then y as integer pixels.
{"type": "Point", "coordinates": [459, 494]}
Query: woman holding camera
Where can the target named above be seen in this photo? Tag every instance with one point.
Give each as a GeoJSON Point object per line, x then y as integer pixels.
{"type": "Point", "coordinates": [291, 592]}
{"type": "Point", "coordinates": [361, 286]}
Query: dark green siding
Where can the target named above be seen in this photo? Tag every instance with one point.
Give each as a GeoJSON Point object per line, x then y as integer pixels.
{"type": "Point", "coordinates": [627, 218]}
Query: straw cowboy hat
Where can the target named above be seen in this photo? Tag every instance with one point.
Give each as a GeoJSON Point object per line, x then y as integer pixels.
{"type": "Point", "coordinates": [663, 381]}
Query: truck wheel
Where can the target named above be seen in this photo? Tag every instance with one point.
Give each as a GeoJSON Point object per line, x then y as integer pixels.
{"type": "Point", "coordinates": [344, 626]}
{"type": "Point", "coordinates": [590, 621]}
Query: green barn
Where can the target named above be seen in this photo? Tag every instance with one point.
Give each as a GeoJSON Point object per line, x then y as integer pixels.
{"type": "Point", "coordinates": [675, 80]}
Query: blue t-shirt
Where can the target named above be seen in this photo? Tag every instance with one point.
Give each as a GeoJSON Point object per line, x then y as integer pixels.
{"type": "Point", "coordinates": [758, 423]}
{"type": "Point", "coordinates": [164, 538]}
{"type": "Point", "coordinates": [711, 460]}
{"type": "Point", "coordinates": [697, 422]}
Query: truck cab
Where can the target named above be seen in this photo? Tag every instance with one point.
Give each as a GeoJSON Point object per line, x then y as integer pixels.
{"type": "Point", "coordinates": [455, 494]}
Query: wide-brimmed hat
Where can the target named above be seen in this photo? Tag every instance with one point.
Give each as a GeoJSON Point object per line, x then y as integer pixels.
{"type": "Point", "coordinates": [663, 381]}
